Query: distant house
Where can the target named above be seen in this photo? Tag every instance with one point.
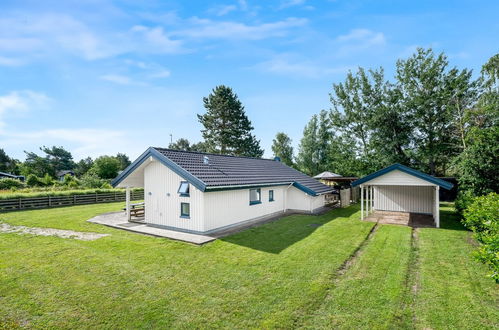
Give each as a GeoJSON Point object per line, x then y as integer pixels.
{"type": "Point", "coordinates": [61, 174]}
{"type": "Point", "coordinates": [333, 179]}
{"type": "Point", "coordinates": [204, 193]}
{"type": "Point", "coordinates": [11, 176]}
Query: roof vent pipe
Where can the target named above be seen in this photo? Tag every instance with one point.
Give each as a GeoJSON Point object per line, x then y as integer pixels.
{"type": "Point", "coordinates": [206, 160]}
{"type": "Point", "coordinates": [277, 159]}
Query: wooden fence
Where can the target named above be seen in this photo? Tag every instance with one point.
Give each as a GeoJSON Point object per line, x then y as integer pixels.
{"type": "Point", "coordinates": [26, 203]}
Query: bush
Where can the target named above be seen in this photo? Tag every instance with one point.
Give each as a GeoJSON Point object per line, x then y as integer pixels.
{"type": "Point", "coordinates": [482, 216]}
{"type": "Point", "coordinates": [8, 183]}
{"type": "Point", "coordinates": [34, 181]}
{"type": "Point", "coordinates": [463, 200]}
{"type": "Point", "coordinates": [91, 180]}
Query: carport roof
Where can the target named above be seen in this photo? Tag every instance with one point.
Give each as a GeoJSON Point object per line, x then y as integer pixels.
{"type": "Point", "coordinates": [442, 183]}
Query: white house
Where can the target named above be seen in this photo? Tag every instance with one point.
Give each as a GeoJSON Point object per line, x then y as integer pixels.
{"type": "Point", "coordinates": [204, 193]}
{"type": "Point", "coordinates": [399, 188]}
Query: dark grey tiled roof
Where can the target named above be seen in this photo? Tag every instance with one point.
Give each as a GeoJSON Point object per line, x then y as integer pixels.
{"type": "Point", "coordinates": [234, 171]}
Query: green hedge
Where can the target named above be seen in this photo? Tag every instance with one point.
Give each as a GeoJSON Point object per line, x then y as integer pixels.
{"type": "Point", "coordinates": [482, 217]}
{"type": "Point", "coordinates": [45, 193]}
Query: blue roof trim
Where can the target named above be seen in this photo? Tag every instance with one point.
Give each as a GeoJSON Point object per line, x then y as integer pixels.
{"type": "Point", "coordinates": [305, 189]}
{"type": "Point", "coordinates": [442, 183]}
{"type": "Point", "coordinates": [151, 152]}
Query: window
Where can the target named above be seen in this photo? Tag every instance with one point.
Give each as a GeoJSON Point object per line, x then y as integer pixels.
{"type": "Point", "coordinates": [185, 210]}
{"type": "Point", "coordinates": [271, 195]}
{"type": "Point", "coordinates": [255, 196]}
{"type": "Point", "coordinates": [183, 190]}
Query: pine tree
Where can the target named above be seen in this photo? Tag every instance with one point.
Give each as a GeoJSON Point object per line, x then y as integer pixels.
{"type": "Point", "coordinates": [282, 148]}
{"type": "Point", "coordinates": [227, 129]}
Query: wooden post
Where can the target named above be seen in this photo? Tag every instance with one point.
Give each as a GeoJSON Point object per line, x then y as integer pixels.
{"type": "Point", "coordinates": [437, 206]}
{"type": "Point", "coordinates": [50, 202]}
{"type": "Point", "coordinates": [361, 202]}
{"type": "Point", "coordinates": [127, 205]}
{"type": "Point", "coordinates": [20, 203]}
{"type": "Point", "coordinates": [74, 199]}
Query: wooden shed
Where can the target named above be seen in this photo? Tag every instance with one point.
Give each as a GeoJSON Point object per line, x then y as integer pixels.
{"type": "Point", "coordinates": [398, 188]}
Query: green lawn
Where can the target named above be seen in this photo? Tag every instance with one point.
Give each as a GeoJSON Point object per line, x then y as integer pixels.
{"type": "Point", "coordinates": [283, 274]}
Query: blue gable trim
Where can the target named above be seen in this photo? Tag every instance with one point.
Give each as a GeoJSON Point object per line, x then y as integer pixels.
{"type": "Point", "coordinates": [151, 152]}
{"type": "Point", "coordinates": [305, 189]}
{"type": "Point", "coordinates": [442, 183]}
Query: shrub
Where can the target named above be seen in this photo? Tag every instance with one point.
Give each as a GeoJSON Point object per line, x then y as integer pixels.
{"type": "Point", "coordinates": [463, 200]}
{"type": "Point", "coordinates": [482, 216]}
{"type": "Point", "coordinates": [9, 183]}
{"type": "Point", "coordinates": [91, 180]}
{"type": "Point", "coordinates": [34, 181]}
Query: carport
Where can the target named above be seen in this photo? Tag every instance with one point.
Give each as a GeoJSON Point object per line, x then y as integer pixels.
{"type": "Point", "coordinates": [398, 188]}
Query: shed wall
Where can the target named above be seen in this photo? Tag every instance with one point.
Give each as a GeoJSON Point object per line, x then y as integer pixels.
{"type": "Point", "coordinates": [416, 199]}
{"type": "Point", "coordinates": [397, 178]}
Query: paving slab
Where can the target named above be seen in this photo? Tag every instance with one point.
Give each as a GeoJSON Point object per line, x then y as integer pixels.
{"type": "Point", "coordinates": [118, 220]}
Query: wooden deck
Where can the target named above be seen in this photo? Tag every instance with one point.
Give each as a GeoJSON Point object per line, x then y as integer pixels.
{"type": "Point", "coordinates": [415, 220]}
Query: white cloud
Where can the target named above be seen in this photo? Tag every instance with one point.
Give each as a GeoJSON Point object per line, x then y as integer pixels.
{"type": "Point", "coordinates": [291, 3]}
{"type": "Point", "coordinates": [20, 101]}
{"type": "Point", "coordinates": [205, 28]}
{"type": "Point", "coordinates": [118, 79]}
{"type": "Point", "coordinates": [155, 40]}
{"type": "Point", "coordinates": [160, 74]}
{"type": "Point", "coordinates": [83, 142]}
{"type": "Point", "coordinates": [223, 10]}
{"type": "Point", "coordinates": [359, 40]}
{"type": "Point", "coordinates": [8, 61]}
{"type": "Point", "coordinates": [305, 69]}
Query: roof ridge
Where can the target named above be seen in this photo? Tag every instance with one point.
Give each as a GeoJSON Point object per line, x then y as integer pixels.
{"type": "Point", "coordinates": [210, 153]}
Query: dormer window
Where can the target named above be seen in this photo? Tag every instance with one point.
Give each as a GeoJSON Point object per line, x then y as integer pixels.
{"type": "Point", "coordinates": [183, 190]}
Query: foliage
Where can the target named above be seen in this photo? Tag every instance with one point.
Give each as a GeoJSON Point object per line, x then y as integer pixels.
{"type": "Point", "coordinates": [463, 200]}
{"type": "Point", "coordinates": [58, 158]}
{"type": "Point", "coordinates": [91, 180]}
{"type": "Point", "coordinates": [180, 144]}
{"type": "Point", "coordinates": [56, 191]}
{"type": "Point", "coordinates": [482, 217]}
{"type": "Point", "coordinates": [83, 166]}
{"type": "Point", "coordinates": [282, 148]}
{"type": "Point", "coordinates": [124, 160]}
{"type": "Point", "coordinates": [227, 129]}
{"type": "Point", "coordinates": [478, 165]}
{"type": "Point", "coordinates": [7, 164]}
{"type": "Point", "coordinates": [8, 183]}
{"type": "Point", "coordinates": [106, 167]}
{"type": "Point", "coordinates": [34, 181]}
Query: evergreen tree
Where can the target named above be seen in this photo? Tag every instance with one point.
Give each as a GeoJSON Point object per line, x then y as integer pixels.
{"type": "Point", "coordinates": [180, 144]}
{"type": "Point", "coordinates": [58, 158]}
{"type": "Point", "coordinates": [83, 166]}
{"type": "Point", "coordinates": [282, 148]}
{"type": "Point", "coordinates": [5, 162]}
{"type": "Point", "coordinates": [227, 129]}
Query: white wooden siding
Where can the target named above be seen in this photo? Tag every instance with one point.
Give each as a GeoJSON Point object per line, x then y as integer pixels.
{"type": "Point", "coordinates": [163, 202]}
{"type": "Point", "coordinates": [298, 200]}
{"type": "Point", "coordinates": [416, 199]}
{"type": "Point", "coordinates": [398, 178]}
{"type": "Point", "coordinates": [228, 207]}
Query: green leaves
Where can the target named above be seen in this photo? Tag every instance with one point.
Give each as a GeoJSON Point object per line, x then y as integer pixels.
{"type": "Point", "coordinates": [227, 129]}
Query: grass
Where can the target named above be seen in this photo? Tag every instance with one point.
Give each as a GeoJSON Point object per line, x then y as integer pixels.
{"type": "Point", "coordinates": [53, 191]}
{"type": "Point", "coordinates": [284, 274]}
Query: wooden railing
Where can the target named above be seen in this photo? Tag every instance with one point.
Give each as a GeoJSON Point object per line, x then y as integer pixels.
{"type": "Point", "coordinates": [26, 203]}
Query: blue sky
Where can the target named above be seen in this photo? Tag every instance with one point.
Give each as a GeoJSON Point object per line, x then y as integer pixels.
{"type": "Point", "coordinates": [101, 77]}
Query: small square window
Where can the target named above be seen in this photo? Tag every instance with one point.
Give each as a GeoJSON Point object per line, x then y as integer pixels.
{"type": "Point", "coordinates": [255, 196]}
{"type": "Point", "coordinates": [271, 195]}
{"type": "Point", "coordinates": [185, 210]}
{"type": "Point", "coordinates": [183, 190]}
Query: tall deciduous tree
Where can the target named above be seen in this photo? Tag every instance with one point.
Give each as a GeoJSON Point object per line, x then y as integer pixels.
{"type": "Point", "coordinates": [282, 148]}
{"type": "Point", "coordinates": [83, 166]}
{"type": "Point", "coordinates": [106, 167]}
{"type": "Point", "coordinates": [314, 146]}
{"type": "Point", "coordinates": [227, 129]}
{"type": "Point", "coordinates": [428, 89]}
{"type": "Point", "coordinates": [180, 144]}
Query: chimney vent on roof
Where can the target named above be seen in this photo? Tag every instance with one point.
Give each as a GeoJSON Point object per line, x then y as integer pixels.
{"type": "Point", "coordinates": [206, 160]}
{"type": "Point", "coordinates": [277, 159]}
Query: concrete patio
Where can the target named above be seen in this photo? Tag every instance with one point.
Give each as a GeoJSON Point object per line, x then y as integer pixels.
{"type": "Point", "coordinates": [118, 220]}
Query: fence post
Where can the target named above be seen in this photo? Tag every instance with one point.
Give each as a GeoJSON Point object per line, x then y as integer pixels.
{"type": "Point", "coordinates": [115, 197]}
{"type": "Point", "coordinates": [50, 202]}
{"type": "Point", "coordinates": [74, 199]}
{"type": "Point", "coordinates": [20, 203]}
{"type": "Point", "coordinates": [96, 196]}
